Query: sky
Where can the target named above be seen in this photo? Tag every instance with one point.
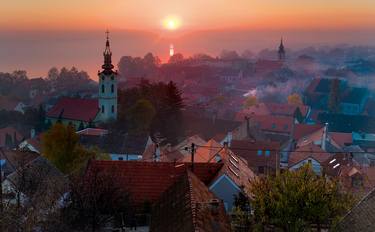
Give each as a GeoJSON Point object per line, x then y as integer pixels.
{"type": "Point", "coordinates": [194, 14]}
{"type": "Point", "coordinates": [38, 34]}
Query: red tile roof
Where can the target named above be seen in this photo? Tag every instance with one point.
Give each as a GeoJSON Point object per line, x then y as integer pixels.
{"type": "Point", "coordinates": [301, 130]}
{"type": "Point", "coordinates": [286, 109]}
{"type": "Point", "coordinates": [188, 205]}
{"type": "Point", "coordinates": [249, 151]}
{"type": "Point", "coordinates": [311, 150]}
{"type": "Point", "coordinates": [281, 124]}
{"type": "Point", "coordinates": [146, 181]}
{"type": "Point", "coordinates": [342, 139]}
{"type": "Point", "coordinates": [75, 109]}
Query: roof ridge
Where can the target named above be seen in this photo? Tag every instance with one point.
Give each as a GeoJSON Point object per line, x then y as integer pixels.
{"type": "Point", "coordinates": [193, 203]}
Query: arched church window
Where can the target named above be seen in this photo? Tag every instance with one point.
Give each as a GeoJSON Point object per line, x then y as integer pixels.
{"type": "Point", "coordinates": [112, 88]}
{"type": "Point", "coordinates": [103, 109]}
{"type": "Point", "coordinates": [113, 108]}
{"type": "Point", "coordinates": [102, 88]}
{"type": "Point", "coordinates": [103, 78]}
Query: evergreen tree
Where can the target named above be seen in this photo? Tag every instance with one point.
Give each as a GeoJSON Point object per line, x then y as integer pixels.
{"type": "Point", "coordinates": [334, 97]}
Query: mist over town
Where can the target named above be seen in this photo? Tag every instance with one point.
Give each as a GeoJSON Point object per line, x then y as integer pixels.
{"type": "Point", "coordinates": [143, 117]}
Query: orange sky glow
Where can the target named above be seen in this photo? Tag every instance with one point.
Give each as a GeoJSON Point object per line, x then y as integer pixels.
{"type": "Point", "coordinates": [194, 14]}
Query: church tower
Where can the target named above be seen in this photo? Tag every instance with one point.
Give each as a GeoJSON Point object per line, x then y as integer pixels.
{"type": "Point", "coordinates": [281, 51]}
{"type": "Point", "coordinates": [107, 87]}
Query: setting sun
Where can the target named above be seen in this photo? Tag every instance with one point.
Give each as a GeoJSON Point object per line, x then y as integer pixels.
{"type": "Point", "coordinates": [171, 23]}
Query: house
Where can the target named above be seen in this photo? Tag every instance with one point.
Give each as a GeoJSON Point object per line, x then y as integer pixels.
{"type": "Point", "coordinates": [207, 128]}
{"type": "Point", "coordinates": [32, 144]}
{"type": "Point", "coordinates": [316, 94]}
{"type": "Point", "coordinates": [309, 154]}
{"type": "Point", "coordinates": [37, 181]}
{"type": "Point", "coordinates": [352, 100]}
{"type": "Point", "coordinates": [267, 66]}
{"type": "Point", "coordinates": [261, 157]}
{"type": "Point", "coordinates": [233, 177]}
{"type": "Point", "coordinates": [11, 160]}
{"type": "Point", "coordinates": [364, 140]}
{"type": "Point", "coordinates": [10, 104]}
{"type": "Point", "coordinates": [188, 205]}
{"type": "Point", "coordinates": [299, 112]}
{"type": "Point", "coordinates": [80, 113]}
{"type": "Point", "coordinates": [274, 128]}
{"type": "Point", "coordinates": [147, 181]}
{"type": "Point", "coordinates": [10, 137]}
{"type": "Point", "coordinates": [118, 146]}
{"type": "Point", "coordinates": [361, 217]}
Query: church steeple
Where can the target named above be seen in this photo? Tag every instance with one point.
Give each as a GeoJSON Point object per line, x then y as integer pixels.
{"type": "Point", "coordinates": [107, 94]}
{"type": "Point", "coordinates": [107, 66]}
{"type": "Point", "coordinates": [281, 50]}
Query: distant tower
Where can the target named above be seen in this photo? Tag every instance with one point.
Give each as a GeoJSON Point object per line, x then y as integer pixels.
{"type": "Point", "coordinates": [171, 50]}
{"type": "Point", "coordinates": [281, 51]}
{"type": "Point", "coordinates": [107, 86]}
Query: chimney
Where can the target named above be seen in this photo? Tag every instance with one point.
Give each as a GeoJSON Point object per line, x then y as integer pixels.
{"type": "Point", "coordinates": [324, 137]}
{"type": "Point", "coordinates": [157, 153]}
{"type": "Point", "coordinates": [32, 133]}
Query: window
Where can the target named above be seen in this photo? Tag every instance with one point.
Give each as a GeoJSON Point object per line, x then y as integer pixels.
{"type": "Point", "coordinates": [260, 152]}
{"type": "Point", "coordinates": [103, 88]}
{"type": "Point", "coordinates": [103, 109]}
{"type": "Point", "coordinates": [112, 77]}
{"type": "Point", "coordinates": [103, 78]}
{"type": "Point", "coordinates": [112, 88]}
{"type": "Point", "coordinates": [268, 153]}
{"type": "Point", "coordinates": [273, 125]}
{"type": "Point", "coordinates": [120, 158]}
{"type": "Point", "coordinates": [261, 169]}
{"type": "Point", "coordinates": [113, 108]}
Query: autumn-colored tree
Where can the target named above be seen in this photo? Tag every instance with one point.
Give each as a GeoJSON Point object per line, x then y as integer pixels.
{"type": "Point", "coordinates": [296, 200]}
{"type": "Point", "coordinates": [250, 101]}
{"type": "Point", "coordinates": [295, 99]}
{"type": "Point", "coordinates": [60, 145]}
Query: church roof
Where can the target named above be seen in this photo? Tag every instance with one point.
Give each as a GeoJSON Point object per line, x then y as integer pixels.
{"type": "Point", "coordinates": [75, 109]}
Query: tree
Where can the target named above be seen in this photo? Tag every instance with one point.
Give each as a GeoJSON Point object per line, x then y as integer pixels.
{"type": "Point", "coordinates": [95, 200]}
{"type": "Point", "coordinates": [229, 55]}
{"type": "Point", "coordinates": [176, 58]}
{"type": "Point", "coordinates": [250, 101]}
{"type": "Point", "coordinates": [296, 200]}
{"type": "Point", "coordinates": [61, 146]}
{"type": "Point", "coordinates": [141, 115]}
{"type": "Point", "coordinates": [334, 96]}
{"type": "Point", "coordinates": [295, 99]}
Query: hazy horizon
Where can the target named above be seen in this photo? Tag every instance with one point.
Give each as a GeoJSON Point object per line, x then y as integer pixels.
{"type": "Point", "coordinates": [38, 51]}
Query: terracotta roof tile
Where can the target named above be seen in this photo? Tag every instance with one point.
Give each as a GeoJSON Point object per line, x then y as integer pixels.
{"type": "Point", "coordinates": [310, 150]}
{"type": "Point", "coordinates": [188, 205]}
{"type": "Point", "coordinates": [146, 181]}
{"type": "Point", "coordinates": [257, 154]}
{"type": "Point", "coordinates": [75, 109]}
{"type": "Point", "coordinates": [301, 130]}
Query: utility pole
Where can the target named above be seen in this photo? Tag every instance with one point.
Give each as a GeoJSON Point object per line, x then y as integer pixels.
{"type": "Point", "coordinates": [192, 156]}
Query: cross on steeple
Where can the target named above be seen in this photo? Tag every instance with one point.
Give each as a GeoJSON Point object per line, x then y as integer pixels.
{"type": "Point", "coordinates": [107, 34]}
